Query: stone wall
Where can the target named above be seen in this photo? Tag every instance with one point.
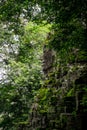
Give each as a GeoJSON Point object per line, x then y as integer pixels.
{"type": "Point", "coordinates": [67, 83]}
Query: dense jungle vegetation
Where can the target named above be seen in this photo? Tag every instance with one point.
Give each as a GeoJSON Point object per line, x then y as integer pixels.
{"type": "Point", "coordinates": [43, 64]}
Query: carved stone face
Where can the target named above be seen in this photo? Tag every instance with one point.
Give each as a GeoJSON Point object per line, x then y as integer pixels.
{"type": "Point", "coordinates": [48, 59]}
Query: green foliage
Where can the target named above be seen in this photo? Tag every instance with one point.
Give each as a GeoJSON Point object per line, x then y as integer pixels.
{"type": "Point", "coordinates": [24, 75]}
{"type": "Point", "coordinates": [71, 92]}
{"type": "Point", "coordinates": [47, 98]}
{"type": "Point", "coordinates": [69, 39]}
{"type": "Point", "coordinates": [10, 10]}
{"type": "Point", "coordinates": [23, 78]}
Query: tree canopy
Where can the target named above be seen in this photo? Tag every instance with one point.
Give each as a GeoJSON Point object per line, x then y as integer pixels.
{"type": "Point", "coordinates": [26, 27]}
